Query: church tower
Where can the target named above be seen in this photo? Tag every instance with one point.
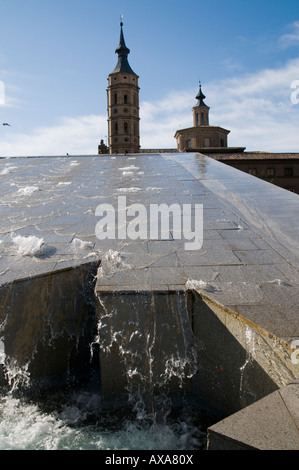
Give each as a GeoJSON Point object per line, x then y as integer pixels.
{"type": "Point", "coordinates": [200, 111]}
{"type": "Point", "coordinates": [202, 136]}
{"type": "Point", "coordinates": [123, 104]}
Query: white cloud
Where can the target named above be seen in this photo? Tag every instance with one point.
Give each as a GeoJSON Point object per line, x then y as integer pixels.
{"type": "Point", "coordinates": [256, 108]}
{"type": "Point", "coordinates": [80, 135]}
{"type": "Point", "coordinates": [291, 38]}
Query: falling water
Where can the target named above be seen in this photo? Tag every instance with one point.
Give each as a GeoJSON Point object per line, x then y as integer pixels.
{"type": "Point", "coordinates": [155, 369]}
{"type": "Point", "coordinates": [246, 395]}
{"type": "Point", "coordinates": [149, 417]}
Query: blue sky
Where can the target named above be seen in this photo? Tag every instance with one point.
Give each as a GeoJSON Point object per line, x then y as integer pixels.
{"type": "Point", "coordinates": [56, 55]}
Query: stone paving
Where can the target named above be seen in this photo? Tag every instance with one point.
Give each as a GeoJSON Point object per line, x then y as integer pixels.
{"type": "Point", "coordinates": [248, 262]}
{"type": "Point", "coordinates": [249, 258]}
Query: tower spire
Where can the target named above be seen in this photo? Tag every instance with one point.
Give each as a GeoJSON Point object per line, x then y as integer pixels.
{"type": "Point", "coordinates": [200, 97]}
{"type": "Point", "coordinates": [122, 51]}
{"type": "Point", "coordinates": [123, 103]}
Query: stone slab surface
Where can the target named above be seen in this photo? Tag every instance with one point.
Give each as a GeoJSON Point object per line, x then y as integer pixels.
{"type": "Point", "coordinates": [268, 424]}
{"type": "Point", "coordinates": [249, 259]}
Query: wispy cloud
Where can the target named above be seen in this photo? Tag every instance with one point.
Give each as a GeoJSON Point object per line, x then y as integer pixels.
{"type": "Point", "coordinates": [79, 135]}
{"type": "Point", "coordinates": [256, 108]}
{"type": "Point", "coordinates": [292, 38]}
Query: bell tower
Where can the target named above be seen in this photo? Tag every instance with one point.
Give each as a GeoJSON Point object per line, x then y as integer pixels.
{"type": "Point", "coordinates": [123, 104]}
{"type": "Point", "coordinates": [201, 137]}
{"type": "Point", "coordinates": [200, 111]}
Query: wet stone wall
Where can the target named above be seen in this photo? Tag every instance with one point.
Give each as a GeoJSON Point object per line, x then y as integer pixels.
{"type": "Point", "coordinates": [47, 324]}
{"type": "Point", "coordinates": [146, 343]}
{"type": "Point", "coordinates": [180, 341]}
{"type": "Point", "coordinates": [238, 362]}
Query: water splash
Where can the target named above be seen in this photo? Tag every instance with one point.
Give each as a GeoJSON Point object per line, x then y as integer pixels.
{"type": "Point", "coordinates": [17, 377]}
{"type": "Point", "coordinates": [79, 244]}
{"type": "Point", "coordinates": [28, 246]}
{"type": "Point", "coordinates": [28, 190]}
{"type": "Point", "coordinates": [7, 170]}
{"type": "Point", "coordinates": [193, 284]}
{"type": "Point", "coordinates": [245, 394]}
{"type": "Point", "coordinates": [80, 423]}
{"type": "Point", "coordinates": [133, 189]}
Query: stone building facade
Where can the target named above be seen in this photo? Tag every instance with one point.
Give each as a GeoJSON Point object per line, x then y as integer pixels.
{"type": "Point", "coordinates": [281, 169]}
{"type": "Point", "coordinates": [201, 135]}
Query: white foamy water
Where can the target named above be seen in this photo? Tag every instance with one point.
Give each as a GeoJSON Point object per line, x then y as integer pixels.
{"type": "Point", "coordinates": [129, 168]}
{"type": "Point", "coordinates": [133, 189]}
{"type": "Point", "coordinates": [7, 170]}
{"type": "Point", "coordinates": [2, 352]}
{"type": "Point", "coordinates": [24, 426]}
{"type": "Point", "coordinates": [28, 246]}
{"type": "Point", "coordinates": [195, 284]}
{"type": "Point", "coordinates": [28, 190]}
{"type": "Point", "coordinates": [81, 245]}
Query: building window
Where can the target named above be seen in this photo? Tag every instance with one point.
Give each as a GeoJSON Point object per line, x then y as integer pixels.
{"type": "Point", "coordinates": [116, 128]}
{"type": "Point", "coordinates": [288, 172]}
{"type": "Point", "coordinates": [202, 119]}
{"type": "Point", "coordinates": [197, 120]}
{"type": "Point", "coordinates": [252, 171]}
{"type": "Point", "coordinates": [270, 172]}
{"type": "Point", "coordinates": [189, 144]}
{"type": "Point", "coordinates": [222, 143]}
{"type": "Point", "coordinates": [125, 127]}
{"type": "Point", "coordinates": [125, 99]}
{"type": "Point", "coordinates": [115, 98]}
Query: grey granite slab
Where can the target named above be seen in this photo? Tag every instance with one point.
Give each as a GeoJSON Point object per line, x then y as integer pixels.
{"type": "Point", "coordinates": [249, 258]}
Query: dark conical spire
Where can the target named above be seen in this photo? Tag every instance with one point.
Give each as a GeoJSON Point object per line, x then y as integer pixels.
{"type": "Point", "coordinates": [122, 51]}
{"type": "Point", "coordinates": [200, 97]}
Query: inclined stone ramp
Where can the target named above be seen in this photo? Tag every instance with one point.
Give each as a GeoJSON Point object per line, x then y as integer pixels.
{"type": "Point", "coordinates": [239, 291]}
